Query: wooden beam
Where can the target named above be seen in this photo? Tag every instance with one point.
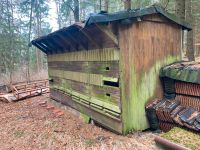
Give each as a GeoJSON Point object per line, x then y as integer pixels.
{"type": "Point", "coordinates": [56, 42]}
{"type": "Point", "coordinates": [89, 38]}
{"type": "Point", "coordinates": [41, 44]}
{"type": "Point", "coordinates": [105, 29]}
{"type": "Point", "coordinates": [52, 47]}
{"type": "Point", "coordinates": [63, 39]}
{"type": "Point", "coordinates": [79, 41]}
{"type": "Point", "coordinates": [40, 47]}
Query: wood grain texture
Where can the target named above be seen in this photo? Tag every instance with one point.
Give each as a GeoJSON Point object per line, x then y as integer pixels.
{"type": "Point", "coordinates": [106, 68]}
{"type": "Point", "coordinates": [106, 94]}
{"type": "Point", "coordinates": [89, 78]}
{"type": "Point", "coordinates": [106, 54]}
{"type": "Point", "coordinates": [144, 48]}
{"type": "Point", "coordinates": [105, 120]}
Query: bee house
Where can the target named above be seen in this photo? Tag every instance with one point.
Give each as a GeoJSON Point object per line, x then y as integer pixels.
{"type": "Point", "coordinates": [108, 67]}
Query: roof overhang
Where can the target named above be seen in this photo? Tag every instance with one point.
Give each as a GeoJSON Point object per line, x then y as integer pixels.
{"type": "Point", "coordinates": [90, 35]}
{"type": "Point", "coordinates": [74, 38]}
{"type": "Point", "coordinates": [135, 13]}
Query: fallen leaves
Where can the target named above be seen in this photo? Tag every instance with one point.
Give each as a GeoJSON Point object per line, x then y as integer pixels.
{"type": "Point", "coordinates": [28, 125]}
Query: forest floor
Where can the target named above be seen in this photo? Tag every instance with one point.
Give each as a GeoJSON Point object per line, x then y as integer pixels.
{"type": "Point", "coordinates": [27, 125]}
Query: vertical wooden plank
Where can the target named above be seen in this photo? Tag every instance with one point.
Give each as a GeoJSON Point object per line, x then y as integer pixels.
{"type": "Point", "coordinates": [144, 48]}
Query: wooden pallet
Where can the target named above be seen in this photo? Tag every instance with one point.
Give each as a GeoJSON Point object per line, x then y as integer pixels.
{"type": "Point", "coordinates": [25, 90]}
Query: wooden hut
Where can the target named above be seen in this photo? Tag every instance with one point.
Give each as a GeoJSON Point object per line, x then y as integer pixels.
{"type": "Point", "coordinates": [108, 68]}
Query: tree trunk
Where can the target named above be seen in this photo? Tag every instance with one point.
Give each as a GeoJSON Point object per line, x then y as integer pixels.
{"type": "Point", "coordinates": [38, 33]}
{"type": "Point", "coordinates": [197, 37]}
{"type": "Point", "coordinates": [127, 4]}
{"type": "Point", "coordinates": [180, 12]}
{"type": "Point", "coordinates": [180, 8]}
{"type": "Point", "coordinates": [29, 39]}
{"type": "Point", "coordinates": [100, 4]}
{"type": "Point", "coordinates": [106, 5]}
{"type": "Point", "coordinates": [190, 43]}
{"type": "Point", "coordinates": [10, 19]}
{"type": "Point", "coordinates": [58, 6]}
{"type": "Point", "coordinates": [196, 29]}
{"type": "Point", "coordinates": [76, 10]}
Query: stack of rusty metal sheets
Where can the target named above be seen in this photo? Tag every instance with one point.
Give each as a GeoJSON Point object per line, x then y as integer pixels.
{"type": "Point", "coordinates": [188, 94]}
{"type": "Point", "coordinates": [171, 113]}
{"type": "Point", "coordinates": [182, 81]}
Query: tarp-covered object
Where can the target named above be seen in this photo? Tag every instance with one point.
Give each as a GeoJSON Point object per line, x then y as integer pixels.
{"type": "Point", "coordinates": [182, 71]}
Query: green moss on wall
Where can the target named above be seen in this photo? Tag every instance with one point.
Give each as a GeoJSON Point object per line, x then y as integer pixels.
{"type": "Point", "coordinates": [85, 117]}
{"type": "Point", "coordinates": [133, 105]}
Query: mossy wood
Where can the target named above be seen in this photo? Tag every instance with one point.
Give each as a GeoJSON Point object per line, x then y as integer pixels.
{"type": "Point", "coordinates": [110, 71]}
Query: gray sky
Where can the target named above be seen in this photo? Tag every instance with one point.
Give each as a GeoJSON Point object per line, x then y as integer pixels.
{"type": "Point", "coordinates": [52, 15]}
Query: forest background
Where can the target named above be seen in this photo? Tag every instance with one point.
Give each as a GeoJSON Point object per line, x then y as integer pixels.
{"type": "Point", "coordinates": [24, 20]}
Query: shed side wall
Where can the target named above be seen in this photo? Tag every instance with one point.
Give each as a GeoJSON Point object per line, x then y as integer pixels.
{"type": "Point", "coordinates": [144, 47]}
{"type": "Point", "coordinates": [79, 80]}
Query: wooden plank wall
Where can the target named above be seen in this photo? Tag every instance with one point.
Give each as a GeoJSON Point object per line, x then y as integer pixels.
{"type": "Point", "coordinates": [81, 76]}
{"type": "Point", "coordinates": [144, 47]}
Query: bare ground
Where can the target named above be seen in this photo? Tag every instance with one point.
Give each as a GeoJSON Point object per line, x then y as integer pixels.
{"type": "Point", "coordinates": [26, 125]}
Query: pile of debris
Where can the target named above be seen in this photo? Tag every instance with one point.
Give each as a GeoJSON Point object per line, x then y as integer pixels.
{"type": "Point", "coordinates": [23, 90]}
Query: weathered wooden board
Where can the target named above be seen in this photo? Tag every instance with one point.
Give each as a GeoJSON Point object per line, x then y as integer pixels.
{"type": "Point", "coordinates": [89, 78]}
{"type": "Point", "coordinates": [106, 68]}
{"type": "Point", "coordinates": [109, 68]}
{"type": "Point", "coordinates": [104, 119]}
{"type": "Point", "coordinates": [109, 95]}
{"type": "Point", "coordinates": [80, 87]}
{"type": "Point", "coordinates": [77, 66]}
{"type": "Point", "coordinates": [106, 54]}
{"type": "Point", "coordinates": [144, 48]}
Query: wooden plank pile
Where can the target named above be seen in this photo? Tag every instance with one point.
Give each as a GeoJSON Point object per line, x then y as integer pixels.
{"type": "Point", "coordinates": [25, 90]}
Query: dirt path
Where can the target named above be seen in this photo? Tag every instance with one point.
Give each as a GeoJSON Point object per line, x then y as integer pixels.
{"type": "Point", "coordinates": [26, 125]}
